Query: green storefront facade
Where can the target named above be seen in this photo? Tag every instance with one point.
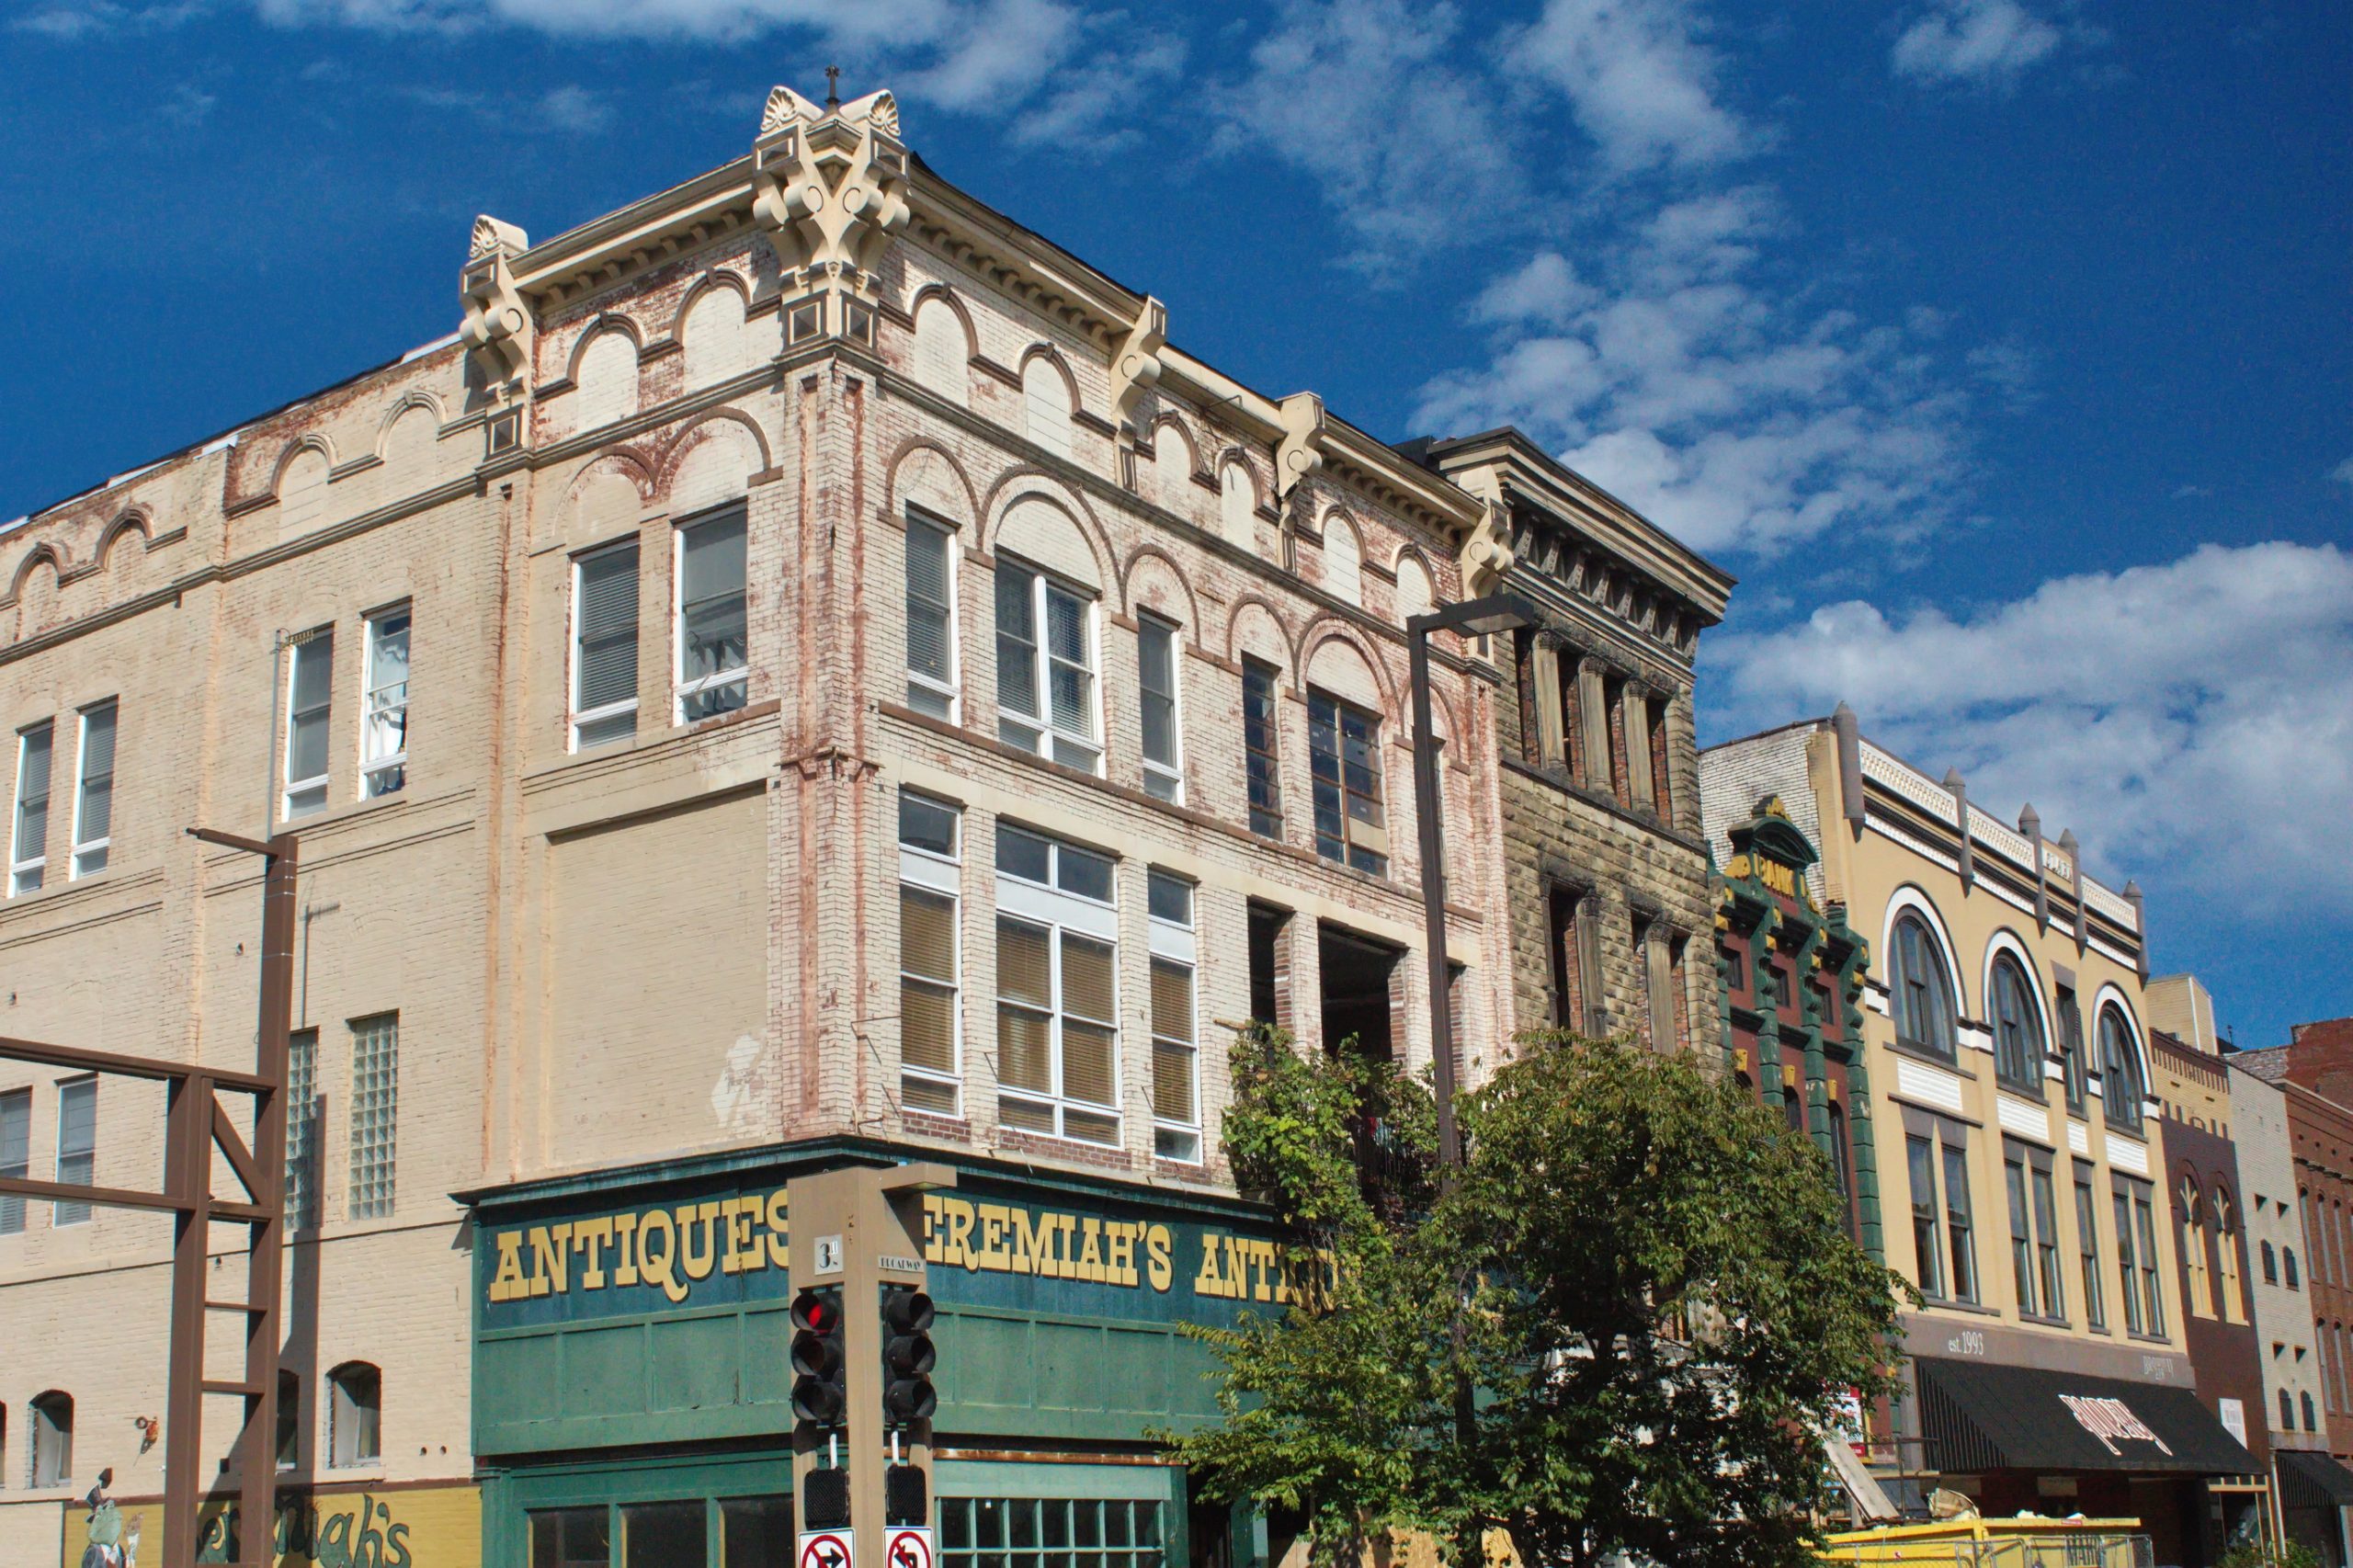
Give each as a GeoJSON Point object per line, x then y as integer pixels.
{"type": "Point", "coordinates": [631, 1386]}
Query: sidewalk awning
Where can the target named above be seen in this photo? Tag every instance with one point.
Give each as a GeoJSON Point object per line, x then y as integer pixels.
{"type": "Point", "coordinates": [1979, 1417]}
{"type": "Point", "coordinates": [2308, 1479]}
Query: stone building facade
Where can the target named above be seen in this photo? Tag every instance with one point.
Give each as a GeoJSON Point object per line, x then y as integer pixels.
{"type": "Point", "coordinates": [1605, 863]}
{"type": "Point", "coordinates": [807, 675]}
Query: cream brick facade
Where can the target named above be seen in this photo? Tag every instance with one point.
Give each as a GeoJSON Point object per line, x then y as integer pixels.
{"type": "Point", "coordinates": [688, 940]}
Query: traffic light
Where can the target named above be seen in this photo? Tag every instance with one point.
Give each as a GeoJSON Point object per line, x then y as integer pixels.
{"type": "Point", "coordinates": [818, 1365]}
{"type": "Point", "coordinates": [908, 1356]}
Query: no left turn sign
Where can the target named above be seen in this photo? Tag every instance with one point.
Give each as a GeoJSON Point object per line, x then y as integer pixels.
{"type": "Point", "coordinates": [825, 1549]}
{"type": "Point", "coordinates": [907, 1546]}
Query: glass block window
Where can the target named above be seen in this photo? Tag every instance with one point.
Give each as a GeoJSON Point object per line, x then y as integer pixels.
{"type": "Point", "coordinates": [375, 1113]}
{"type": "Point", "coordinates": [714, 656]}
{"type": "Point", "coordinates": [309, 701]}
{"type": "Point", "coordinates": [1050, 1532]}
{"type": "Point", "coordinates": [77, 1143]}
{"type": "Point", "coordinates": [303, 1129]}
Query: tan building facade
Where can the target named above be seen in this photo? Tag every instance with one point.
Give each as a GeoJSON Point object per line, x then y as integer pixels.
{"type": "Point", "coordinates": [808, 665]}
{"type": "Point", "coordinates": [2017, 1143]}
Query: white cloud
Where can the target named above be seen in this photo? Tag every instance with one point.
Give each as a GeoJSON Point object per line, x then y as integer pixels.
{"type": "Point", "coordinates": [575, 109]}
{"type": "Point", "coordinates": [1387, 106]}
{"type": "Point", "coordinates": [1638, 81]}
{"type": "Point", "coordinates": [2343, 473]}
{"type": "Point", "coordinates": [2190, 720]}
{"type": "Point", "coordinates": [98, 18]}
{"type": "Point", "coordinates": [1973, 43]}
{"type": "Point", "coordinates": [1734, 416]}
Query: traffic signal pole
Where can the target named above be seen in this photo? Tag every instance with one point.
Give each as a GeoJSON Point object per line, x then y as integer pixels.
{"type": "Point", "coordinates": [861, 1229]}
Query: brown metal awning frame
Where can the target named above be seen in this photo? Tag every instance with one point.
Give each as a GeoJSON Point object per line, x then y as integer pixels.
{"type": "Point", "coordinates": [196, 1124]}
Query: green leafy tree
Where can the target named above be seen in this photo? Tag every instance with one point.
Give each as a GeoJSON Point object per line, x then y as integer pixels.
{"type": "Point", "coordinates": [1646, 1278]}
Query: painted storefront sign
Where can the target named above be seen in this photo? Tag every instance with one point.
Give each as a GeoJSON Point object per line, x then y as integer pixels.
{"type": "Point", "coordinates": [410, 1527]}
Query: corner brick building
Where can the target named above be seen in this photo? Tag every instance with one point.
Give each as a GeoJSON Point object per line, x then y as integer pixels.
{"type": "Point", "coordinates": [808, 675]}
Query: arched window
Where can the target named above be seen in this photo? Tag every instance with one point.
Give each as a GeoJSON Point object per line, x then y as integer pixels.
{"type": "Point", "coordinates": [1237, 505]}
{"type": "Point", "coordinates": [52, 1438]}
{"type": "Point", "coordinates": [1793, 1105]}
{"type": "Point", "coordinates": [2230, 1295]}
{"type": "Point", "coordinates": [2287, 1413]}
{"type": "Point", "coordinates": [717, 340]}
{"type": "Point", "coordinates": [2271, 1265]}
{"type": "Point", "coordinates": [2018, 1028]}
{"type": "Point", "coordinates": [1842, 1169]}
{"type": "Point", "coordinates": [1921, 988]}
{"type": "Point", "coordinates": [941, 362]}
{"type": "Point", "coordinates": [607, 377]}
{"type": "Point", "coordinates": [289, 1419]}
{"type": "Point", "coordinates": [2120, 1071]}
{"type": "Point", "coordinates": [2189, 1240]}
{"type": "Point", "coordinates": [1343, 560]}
{"type": "Point", "coordinates": [1045, 406]}
{"type": "Point", "coordinates": [355, 1415]}
{"type": "Point", "coordinates": [2305, 1401]}
{"type": "Point", "coordinates": [2288, 1262]}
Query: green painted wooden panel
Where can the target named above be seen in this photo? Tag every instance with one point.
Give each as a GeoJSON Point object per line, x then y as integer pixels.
{"type": "Point", "coordinates": [604, 1370]}
{"type": "Point", "coordinates": [696, 1363]}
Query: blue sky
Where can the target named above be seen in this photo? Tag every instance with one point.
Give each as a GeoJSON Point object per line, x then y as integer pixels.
{"type": "Point", "coordinates": [2001, 347]}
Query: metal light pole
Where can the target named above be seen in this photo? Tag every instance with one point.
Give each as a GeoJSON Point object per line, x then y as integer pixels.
{"type": "Point", "coordinates": [1497, 612]}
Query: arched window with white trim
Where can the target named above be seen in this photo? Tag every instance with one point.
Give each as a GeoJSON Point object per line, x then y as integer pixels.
{"type": "Point", "coordinates": [2018, 1046]}
{"type": "Point", "coordinates": [53, 1422]}
{"type": "Point", "coordinates": [2120, 1085]}
{"type": "Point", "coordinates": [354, 1416]}
{"type": "Point", "coordinates": [1920, 988]}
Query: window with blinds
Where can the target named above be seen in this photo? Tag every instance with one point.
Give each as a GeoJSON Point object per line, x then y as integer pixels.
{"type": "Point", "coordinates": [713, 649]}
{"type": "Point", "coordinates": [77, 1145]}
{"type": "Point", "coordinates": [384, 715]}
{"type": "Point", "coordinates": [1343, 761]}
{"type": "Point", "coordinates": [1260, 749]}
{"type": "Point", "coordinates": [931, 614]}
{"type": "Point", "coordinates": [1163, 776]}
{"type": "Point", "coordinates": [375, 1113]}
{"type": "Point", "coordinates": [930, 1031]}
{"type": "Point", "coordinates": [604, 658]}
{"type": "Point", "coordinates": [309, 701]}
{"type": "Point", "coordinates": [16, 1153]}
{"type": "Point", "coordinates": [1045, 668]}
{"type": "Point", "coordinates": [1175, 1098]}
{"type": "Point", "coordinates": [28, 839]}
{"type": "Point", "coordinates": [1057, 990]}
{"type": "Point", "coordinates": [303, 1129]}
{"type": "Point", "coordinates": [94, 794]}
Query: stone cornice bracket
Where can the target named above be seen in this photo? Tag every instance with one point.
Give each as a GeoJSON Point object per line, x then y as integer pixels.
{"type": "Point", "coordinates": [1486, 553]}
{"type": "Point", "coordinates": [829, 186]}
{"type": "Point", "coordinates": [1300, 451]}
{"type": "Point", "coordinates": [1135, 368]}
{"type": "Point", "coordinates": [498, 328]}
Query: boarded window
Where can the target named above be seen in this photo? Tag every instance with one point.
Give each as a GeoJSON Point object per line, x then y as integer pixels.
{"type": "Point", "coordinates": [1045, 406]}
{"type": "Point", "coordinates": [607, 377]}
{"type": "Point", "coordinates": [941, 362]}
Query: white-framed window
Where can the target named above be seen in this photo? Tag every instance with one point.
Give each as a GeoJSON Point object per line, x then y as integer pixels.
{"type": "Point", "coordinates": [931, 1032]}
{"type": "Point", "coordinates": [94, 790]}
{"type": "Point", "coordinates": [77, 1143]}
{"type": "Point", "coordinates": [1057, 984]}
{"type": "Point", "coordinates": [604, 645]}
{"type": "Point", "coordinates": [29, 840]}
{"type": "Point", "coordinates": [375, 1113]}
{"type": "Point", "coordinates": [383, 704]}
{"type": "Point", "coordinates": [310, 702]}
{"type": "Point", "coordinates": [931, 614]}
{"type": "Point", "coordinates": [1047, 700]}
{"type": "Point", "coordinates": [713, 641]}
{"type": "Point", "coordinates": [1175, 1040]}
{"type": "Point", "coordinates": [354, 1416]}
{"type": "Point", "coordinates": [1156, 662]}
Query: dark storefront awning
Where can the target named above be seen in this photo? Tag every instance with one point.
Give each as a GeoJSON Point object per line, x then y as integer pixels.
{"type": "Point", "coordinates": [1977, 1416]}
{"type": "Point", "coordinates": [2312, 1480]}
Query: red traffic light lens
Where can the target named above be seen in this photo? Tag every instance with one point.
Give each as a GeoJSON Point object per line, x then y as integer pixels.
{"type": "Point", "coordinates": [817, 1312]}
